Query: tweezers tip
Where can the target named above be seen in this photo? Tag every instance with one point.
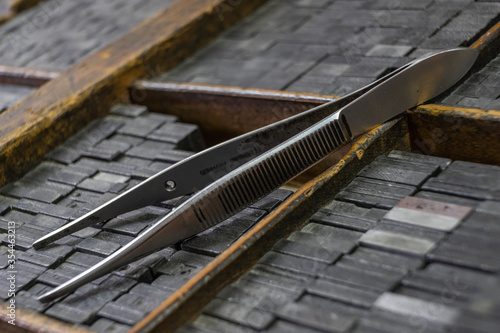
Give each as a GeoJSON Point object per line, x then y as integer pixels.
{"type": "Point", "coordinates": [53, 293]}
{"type": "Point", "coordinates": [44, 298]}
{"type": "Point", "coordinates": [46, 239]}
{"type": "Point", "coordinates": [39, 243]}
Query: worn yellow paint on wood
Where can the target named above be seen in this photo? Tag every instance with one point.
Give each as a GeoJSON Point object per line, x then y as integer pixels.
{"type": "Point", "coordinates": [457, 133]}
{"type": "Point", "coordinates": [15, 7]}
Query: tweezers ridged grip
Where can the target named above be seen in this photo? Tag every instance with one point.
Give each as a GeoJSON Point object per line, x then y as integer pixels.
{"type": "Point", "coordinates": [259, 177]}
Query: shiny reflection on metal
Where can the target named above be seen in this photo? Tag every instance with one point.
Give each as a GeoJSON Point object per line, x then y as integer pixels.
{"type": "Point", "coordinates": [240, 171]}
{"type": "Point", "coordinates": [170, 185]}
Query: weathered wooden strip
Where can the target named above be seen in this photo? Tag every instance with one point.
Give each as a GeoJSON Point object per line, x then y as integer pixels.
{"type": "Point", "coordinates": [14, 7]}
{"type": "Point", "coordinates": [25, 76]}
{"type": "Point", "coordinates": [222, 111]}
{"type": "Point", "coordinates": [456, 133]}
{"type": "Point", "coordinates": [27, 321]}
{"type": "Point", "coordinates": [65, 104]}
{"type": "Point", "coordinates": [488, 45]}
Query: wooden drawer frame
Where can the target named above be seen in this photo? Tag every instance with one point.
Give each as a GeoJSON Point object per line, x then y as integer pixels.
{"type": "Point", "coordinates": [66, 101]}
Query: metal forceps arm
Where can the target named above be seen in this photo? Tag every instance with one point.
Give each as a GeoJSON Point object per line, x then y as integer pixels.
{"type": "Point", "coordinates": [199, 170]}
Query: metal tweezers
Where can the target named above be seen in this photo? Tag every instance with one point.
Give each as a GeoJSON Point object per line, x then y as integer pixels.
{"type": "Point", "coordinates": [238, 172]}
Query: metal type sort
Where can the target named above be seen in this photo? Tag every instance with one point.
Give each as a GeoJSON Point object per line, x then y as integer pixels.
{"type": "Point", "coordinates": [56, 34]}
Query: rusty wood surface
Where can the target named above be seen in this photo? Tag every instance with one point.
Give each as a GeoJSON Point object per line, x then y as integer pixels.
{"type": "Point", "coordinates": [25, 76]}
{"type": "Point", "coordinates": [190, 299]}
{"type": "Point", "coordinates": [457, 133]}
{"type": "Point", "coordinates": [20, 5]}
{"type": "Point", "coordinates": [65, 104]}
{"type": "Point", "coordinates": [15, 7]}
{"type": "Point", "coordinates": [27, 321]}
{"type": "Point", "coordinates": [223, 112]}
